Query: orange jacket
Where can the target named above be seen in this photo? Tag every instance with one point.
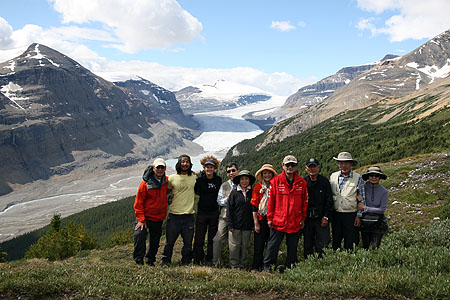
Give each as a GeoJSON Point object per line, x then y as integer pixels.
{"type": "Point", "coordinates": [287, 206]}
{"type": "Point", "coordinates": [151, 201]}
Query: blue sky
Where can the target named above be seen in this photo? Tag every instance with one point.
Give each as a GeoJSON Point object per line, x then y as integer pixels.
{"type": "Point", "coordinates": [278, 46]}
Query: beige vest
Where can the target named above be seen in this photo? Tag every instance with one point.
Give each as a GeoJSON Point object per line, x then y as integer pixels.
{"type": "Point", "coordinates": [345, 200]}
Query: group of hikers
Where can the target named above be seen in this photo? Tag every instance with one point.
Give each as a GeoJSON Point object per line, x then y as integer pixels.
{"type": "Point", "coordinates": [279, 206]}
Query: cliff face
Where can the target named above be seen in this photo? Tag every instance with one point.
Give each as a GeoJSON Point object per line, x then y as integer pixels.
{"type": "Point", "coordinates": [161, 100]}
{"type": "Point", "coordinates": [55, 116]}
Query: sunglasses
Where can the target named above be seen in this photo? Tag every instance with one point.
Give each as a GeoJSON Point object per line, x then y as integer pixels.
{"type": "Point", "coordinates": [374, 175]}
{"type": "Point", "coordinates": [160, 167]}
{"type": "Point", "coordinates": [232, 170]}
{"type": "Point", "coordinates": [290, 165]}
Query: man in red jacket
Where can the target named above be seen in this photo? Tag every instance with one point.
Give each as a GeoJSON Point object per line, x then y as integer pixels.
{"type": "Point", "coordinates": [286, 212]}
{"type": "Point", "coordinates": [150, 208]}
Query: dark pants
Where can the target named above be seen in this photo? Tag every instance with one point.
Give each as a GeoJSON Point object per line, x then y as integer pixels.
{"type": "Point", "coordinates": [343, 228]}
{"type": "Point", "coordinates": [176, 225]}
{"type": "Point", "coordinates": [260, 242]}
{"type": "Point", "coordinates": [273, 246]}
{"type": "Point", "coordinates": [315, 237]}
{"type": "Point", "coordinates": [140, 237]}
{"type": "Point", "coordinates": [206, 221]}
{"type": "Point", "coordinates": [371, 239]}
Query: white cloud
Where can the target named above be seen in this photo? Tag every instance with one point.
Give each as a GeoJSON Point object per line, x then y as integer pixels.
{"type": "Point", "coordinates": [5, 34]}
{"type": "Point", "coordinates": [283, 26]}
{"type": "Point", "coordinates": [68, 40]}
{"type": "Point", "coordinates": [176, 78]}
{"type": "Point", "coordinates": [138, 24]}
{"type": "Point", "coordinates": [408, 19]}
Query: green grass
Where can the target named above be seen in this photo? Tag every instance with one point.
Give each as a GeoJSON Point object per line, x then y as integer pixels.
{"type": "Point", "coordinates": [406, 266]}
{"type": "Point", "coordinates": [413, 261]}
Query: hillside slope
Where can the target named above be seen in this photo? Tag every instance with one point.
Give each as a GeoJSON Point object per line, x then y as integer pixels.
{"type": "Point", "coordinates": [387, 130]}
{"type": "Point", "coordinates": [404, 267]}
{"type": "Point", "coordinates": [393, 78]}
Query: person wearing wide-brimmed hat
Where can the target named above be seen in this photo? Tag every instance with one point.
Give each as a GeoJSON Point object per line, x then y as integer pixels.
{"type": "Point", "coordinates": [260, 197]}
{"type": "Point", "coordinates": [316, 234]}
{"type": "Point", "coordinates": [348, 189]}
{"type": "Point", "coordinates": [207, 187]}
{"type": "Point", "coordinates": [286, 213]}
{"type": "Point", "coordinates": [239, 219]}
{"type": "Point", "coordinates": [377, 197]}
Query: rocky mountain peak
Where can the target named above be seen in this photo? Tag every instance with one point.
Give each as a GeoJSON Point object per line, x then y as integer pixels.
{"type": "Point", "coordinates": [57, 116]}
{"type": "Point", "coordinates": [38, 55]}
{"type": "Point", "coordinates": [431, 58]}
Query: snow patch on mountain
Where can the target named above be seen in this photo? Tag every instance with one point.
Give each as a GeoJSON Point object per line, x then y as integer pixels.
{"type": "Point", "coordinates": [12, 91]}
{"type": "Point", "coordinates": [12, 66]}
{"type": "Point", "coordinates": [432, 71]}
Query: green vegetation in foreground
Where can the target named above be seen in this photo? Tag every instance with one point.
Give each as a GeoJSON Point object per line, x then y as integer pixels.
{"type": "Point", "coordinates": [410, 264]}
{"type": "Point", "coordinates": [111, 224]}
{"type": "Point", "coordinates": [356, 132]}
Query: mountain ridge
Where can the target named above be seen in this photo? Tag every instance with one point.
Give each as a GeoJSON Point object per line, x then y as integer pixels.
{"type": "Point", "coordinates": [394, 78]}
{"type": "Point", "coordinates": [56, 115]}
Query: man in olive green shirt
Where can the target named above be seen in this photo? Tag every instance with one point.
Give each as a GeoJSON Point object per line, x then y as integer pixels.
{"type": "Point", "coordinates": [181, 211]}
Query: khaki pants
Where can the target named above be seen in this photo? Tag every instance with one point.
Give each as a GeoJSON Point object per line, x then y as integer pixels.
{"type": "Point", "coordinates": [239, 244]}
{"type": "Point", "coordinates": [220, 237]}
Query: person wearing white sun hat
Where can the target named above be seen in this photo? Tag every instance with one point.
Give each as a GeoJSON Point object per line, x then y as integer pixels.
{"type": "Point", "coordinates": [348, 190]}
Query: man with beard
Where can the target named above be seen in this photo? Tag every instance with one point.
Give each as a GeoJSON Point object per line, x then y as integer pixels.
{"type": "Point", "coordinates": [181, 211]}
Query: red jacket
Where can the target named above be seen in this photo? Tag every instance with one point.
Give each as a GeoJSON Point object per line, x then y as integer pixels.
{"type": "Point", "coordinates": [151, 201]}
{"type": "Point", "coordinates": [287, 206]}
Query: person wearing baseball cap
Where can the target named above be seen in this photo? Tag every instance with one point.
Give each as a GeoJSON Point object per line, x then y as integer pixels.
{"type": "Point", "coordinates": [320, 209]}
{"type": "Point", "coordinates": [207, 187]}
{"type": "Point", "coordinates": [286, 213]}
{"type": "Point", "coordinates": [347, 187]}
{"type": "Point", "coordinates": [150, 208]}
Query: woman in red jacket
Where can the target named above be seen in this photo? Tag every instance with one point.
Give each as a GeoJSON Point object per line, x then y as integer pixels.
{"type": "Point", "coordinates": [150, 208]}
{"type": "Point", "coordinates": [260, 197]}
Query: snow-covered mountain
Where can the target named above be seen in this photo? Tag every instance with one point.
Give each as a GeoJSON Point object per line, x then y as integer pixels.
{"type": "Point", "coordinates": [392, 78]}
{"type": "Point", "coordinates": [311, 94]}
{"type": "Point", "coordinates": [56, 117]}
{"type": "Point", "coordinates": [220, 95]}
{"type": "Point", "coordinates": [161, 100]}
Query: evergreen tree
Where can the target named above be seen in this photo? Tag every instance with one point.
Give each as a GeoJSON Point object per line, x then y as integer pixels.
{"type": "Point", "coordinates": [55, 223]}
{"type": "Point", "coordinates": [3, 255]}
{"type": "Point", "coordinates": [61, 244]}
